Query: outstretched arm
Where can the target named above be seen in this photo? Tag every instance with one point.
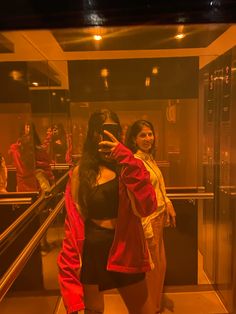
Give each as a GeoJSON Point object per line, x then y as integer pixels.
{"type": "Point", "coordinates": [134, 175]}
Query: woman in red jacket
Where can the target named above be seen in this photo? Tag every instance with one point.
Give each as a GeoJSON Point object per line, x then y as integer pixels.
{"type": "Point", "coordinates": [104, 245]}
{"type": "Point", "coordinates": [32, 162]}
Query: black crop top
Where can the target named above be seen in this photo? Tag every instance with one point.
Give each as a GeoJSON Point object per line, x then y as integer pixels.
{"type": "Point", "coordinates": [104, 200]}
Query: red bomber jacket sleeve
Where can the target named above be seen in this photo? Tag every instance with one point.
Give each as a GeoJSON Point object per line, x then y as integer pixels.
{"type": "Point", "coordinates": [137, 181]}
{"type": "Point", "coordinates": [69, 259]}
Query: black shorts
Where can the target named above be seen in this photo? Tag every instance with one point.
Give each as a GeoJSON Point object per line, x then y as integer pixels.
{"type": "Point", "coordinates": [97, 244]}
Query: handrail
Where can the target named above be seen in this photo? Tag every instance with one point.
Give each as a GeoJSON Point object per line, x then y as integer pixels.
{"type": "Point", "coordinates": [21, 218]}
{"type": "Point", "coordinates": [187, 196]}
{"type": "Point", "coordinates": [31, 209]}
{"type": "Point", "coordinates": [17, 194]}
{"type": "Point", "coordinates": [197, 188]}
{"type": "Point", "coordinates": [14, 198]}
{"type": "Point", "coordinates": [55, 185]}
{"type": "Point", "coordinates": [16, 267]}
{"type": "Point", "coordinates": [63, 166]}
{"type": "Point", "coordinates": [16, 201]}
{"type": "Point", "coordinates": [54, 166]}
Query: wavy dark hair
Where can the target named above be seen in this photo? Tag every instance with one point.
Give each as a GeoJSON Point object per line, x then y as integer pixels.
{"type": "Point", "coordinates": [132, 133]}
{"type": "Point", "coordinates": [28, 144]}
{"type": "Point", "coordinates": [33, 133]}
{"type": "Point", "coordinates": [90, 160]}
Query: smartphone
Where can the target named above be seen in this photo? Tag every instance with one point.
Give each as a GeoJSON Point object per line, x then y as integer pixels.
{"type": "Point", "coordinates": [113, 129]}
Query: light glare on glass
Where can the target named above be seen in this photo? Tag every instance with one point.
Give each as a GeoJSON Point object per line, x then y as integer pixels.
{"type": "Point", "coordinates": [155, 70]}
{"type": "Point", "coordinates": [147, 81]}
{"type": "Point", "coordinates": [97, 37]}
{"type": "Point", "coordinates": [180, 36]}
{"type": "Point", "coordinates": [104, 72]}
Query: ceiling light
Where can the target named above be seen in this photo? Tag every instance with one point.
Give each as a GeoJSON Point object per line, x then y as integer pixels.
{"type": "Point", "coordinates": [155, 70]}
{"type": "Point", "coordinates": [16, 75]}
{"type": "Point", "coordinates": [180, 36]}
{"type": "Point", "coordinates": [147, 81]}
{"type": "Point", "coordinates": [97, 37]}
{"type": "Point", "coordinates": [35, 83]}
{"type": "Point", "coordinates": [104, 72]}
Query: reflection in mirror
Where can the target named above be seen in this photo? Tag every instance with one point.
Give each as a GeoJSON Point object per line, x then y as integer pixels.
{"type": "Point", "coordinates": [170, 75]}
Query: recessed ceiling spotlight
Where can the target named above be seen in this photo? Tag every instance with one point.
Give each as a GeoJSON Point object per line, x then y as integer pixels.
{"type": "Point", "coordinates": [155, 70]}
{"type": "Point", "coordinates": [97, 37]}
{"type": "Point", "coordinates": [104, 72]}
{"type": "Point", "coordinates": [147, 81]}
{"type": "Point", "coordinates": [16, 75]}
{"type": "Point", "coordinates": [180, 36]}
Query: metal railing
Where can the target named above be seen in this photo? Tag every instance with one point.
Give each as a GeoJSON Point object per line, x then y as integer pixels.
{"type": "Point", "coordinates": [16, 267]}
{"type": "Point", "coordinates": [37, 206]}
{"type": "Point", "coordinates": [18, 198]}
{"type": "Point", "coordinates": [192, 196]}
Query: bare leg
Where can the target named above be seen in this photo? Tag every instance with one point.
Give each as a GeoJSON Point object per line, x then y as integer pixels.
{"type": "Point", "coordinates": [135, 297]}
{"type": "Point", "coordinates": [155, 278]}
{"type": "Point", "coordinates": [93, 299]}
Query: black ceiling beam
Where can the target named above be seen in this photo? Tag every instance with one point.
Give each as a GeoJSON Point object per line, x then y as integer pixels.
{"type": "Point", "coordinates": [26, 14]}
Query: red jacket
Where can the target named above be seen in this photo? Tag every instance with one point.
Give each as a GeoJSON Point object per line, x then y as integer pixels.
{"type": "Point", "coordinates": [129, 253]}
{"type": "Point", "coordinates": [26, 179]}
{"type": "Point", "coordinates": [25, 176]}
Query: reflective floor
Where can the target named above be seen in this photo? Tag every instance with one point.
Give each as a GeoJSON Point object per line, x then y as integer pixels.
{"type": "Point", "coordinates": [205, 302]}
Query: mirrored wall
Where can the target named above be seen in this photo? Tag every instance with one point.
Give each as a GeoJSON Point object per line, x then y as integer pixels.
{"type": "Point", "coordinates": [179, 77]}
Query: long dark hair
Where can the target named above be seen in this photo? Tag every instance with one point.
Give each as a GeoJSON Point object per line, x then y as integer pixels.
{"type": "Point", "coordinates": [132, 133]}
{"type": "Point", "coordinates": [90, 160]}
{"type": "Point", "coordinates": [28, 144]}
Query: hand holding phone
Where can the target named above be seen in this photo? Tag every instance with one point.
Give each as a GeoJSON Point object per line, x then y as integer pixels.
{"type": "Point", "coordinates": [113, 129]}
{"type": "Point", "coordinates": [110, 137]}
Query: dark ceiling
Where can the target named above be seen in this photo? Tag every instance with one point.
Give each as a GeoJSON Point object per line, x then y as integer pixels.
{"type": "Point", "coordinates": [126, 79]}
{"type": "Point", "coordinates": [138, 37]}
{"type": "Point", "coordinates": [43, 74]}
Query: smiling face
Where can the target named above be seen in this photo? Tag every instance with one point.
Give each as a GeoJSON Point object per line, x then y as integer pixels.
{"type": "Point", "coordinates": [145, 139]}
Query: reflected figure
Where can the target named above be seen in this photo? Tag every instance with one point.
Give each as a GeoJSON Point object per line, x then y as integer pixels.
{"type": "Point", "coordinates": [23, 154]}
{"type": "Point", "coordinates": [141, 141]}
{"type": "Point", "coordinates": [77, 141]}
{"type": "Point", "coordinates": [33, 171]}
{"type": "Point", "coordinates": [58, 145]}
{"type": "Point", "coordinates": [3, 175]}
{"type": "Point", "coordinates": [104, 245]}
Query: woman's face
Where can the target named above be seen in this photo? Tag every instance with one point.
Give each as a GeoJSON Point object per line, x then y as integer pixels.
{"type": "Point", "coordinates": [144, 139]}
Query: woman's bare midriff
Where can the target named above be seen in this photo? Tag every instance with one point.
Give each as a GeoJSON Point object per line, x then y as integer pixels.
{"type": "Point", "coordinates": [105, 223]}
